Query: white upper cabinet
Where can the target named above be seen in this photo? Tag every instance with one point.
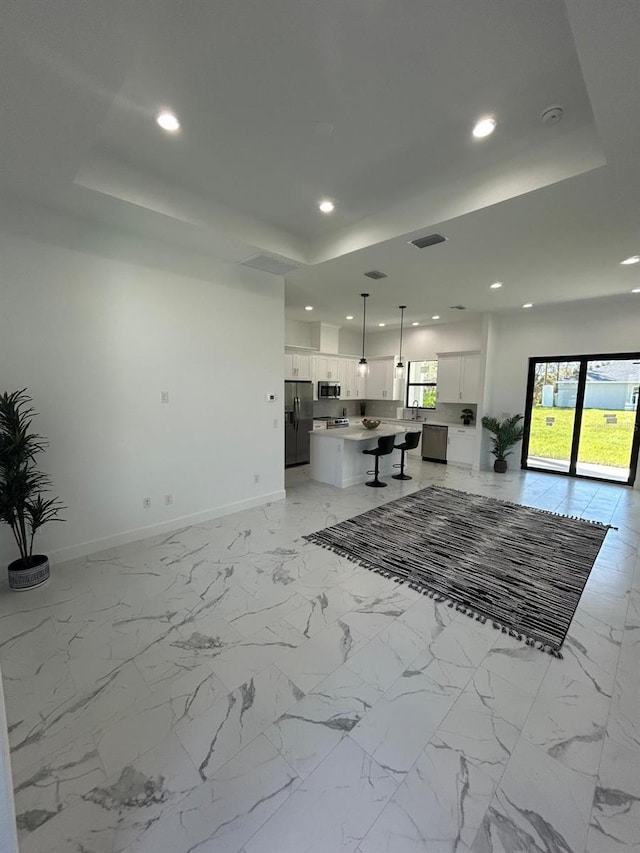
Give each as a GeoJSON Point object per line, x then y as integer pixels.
{"type": "Point", "coordinates": [381, 383]}
{"type": "Point", "coordinates": [327, 368]}
{"type": "Point", "coordinates": [288, 365]}
{"type": "Point", "coordinates": [297, 366]}
{"type": "Point", "coordinates": [376, 379]}
{"type": "Point", "coordinates": [459, 378]}
{"type": "Point", "coordinates": [347, 378]}
{"type": "Point", "coordinates": [470, 378]}
{"type": "Point", "coordinates": [449, 379]}
{"type": "Point", "coordinates": [351, 383]}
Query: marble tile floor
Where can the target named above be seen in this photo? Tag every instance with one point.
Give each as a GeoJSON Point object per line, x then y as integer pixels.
{"type": "Point", "coordinates": [231, 688]}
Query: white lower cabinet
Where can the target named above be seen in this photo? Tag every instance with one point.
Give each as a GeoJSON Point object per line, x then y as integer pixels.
{"type": "Point", "coordinates": [461, 446]}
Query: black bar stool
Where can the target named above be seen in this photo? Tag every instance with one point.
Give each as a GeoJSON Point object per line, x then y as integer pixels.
{"type": "Point", "coordinates": [384, 448]}
{"type": "Point", "coordinates": [411, 441]}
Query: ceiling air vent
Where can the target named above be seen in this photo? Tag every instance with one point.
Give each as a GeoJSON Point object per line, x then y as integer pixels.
{"type": "Point", "coordinates": [429, 240]}
{"type": "Point", "coordinates": [272, 264]}
{"type": "Point", "coordinates": [376, 275]}
{"type": "Point", "coordinates": [458, 307]}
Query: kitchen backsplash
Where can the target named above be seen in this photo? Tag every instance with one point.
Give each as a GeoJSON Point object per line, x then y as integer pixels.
{"type": "Point", "coordinates": [382, 408]}
{"type": "Point", "coordinates": [334, 408]}
{"type": "Point", "coordinates": [448, 412]}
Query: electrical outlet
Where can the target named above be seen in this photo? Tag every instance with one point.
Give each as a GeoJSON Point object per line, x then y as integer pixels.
{"type": "Point", "coordinates": [146, 503]}
{"type": "Point", "coordinates": [164, 396]}
{"type": "Point", "coordinates": [256, 478]}
{"type": "Point", "coordinates": [168, 500]}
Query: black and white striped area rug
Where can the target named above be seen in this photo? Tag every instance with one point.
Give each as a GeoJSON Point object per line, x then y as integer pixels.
{"type": "Point", "coordinates": [523, 569]}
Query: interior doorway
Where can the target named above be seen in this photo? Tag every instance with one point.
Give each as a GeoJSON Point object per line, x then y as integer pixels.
{"type": "Point", "coordinates": [582, 417]}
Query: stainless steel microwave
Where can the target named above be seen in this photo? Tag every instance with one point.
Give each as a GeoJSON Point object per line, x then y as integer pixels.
{"type": "Point", "coordinates": [328, 390]}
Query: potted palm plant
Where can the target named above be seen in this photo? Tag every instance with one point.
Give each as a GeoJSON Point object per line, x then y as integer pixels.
{"type": "Point", "coordinates": [506, 433]}
{"type": "Point", "coordinates": [23, 505]}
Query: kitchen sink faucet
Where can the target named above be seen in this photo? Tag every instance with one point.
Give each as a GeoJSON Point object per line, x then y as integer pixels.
{"type": "Point", "coordinates": [415, 406]}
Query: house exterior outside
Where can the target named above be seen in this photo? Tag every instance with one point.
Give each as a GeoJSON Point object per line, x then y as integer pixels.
{"type": "Point", "coordinates": [613, 386]}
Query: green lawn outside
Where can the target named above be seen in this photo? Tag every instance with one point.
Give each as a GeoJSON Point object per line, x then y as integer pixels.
{"type": "Point", "coordinates": [601, 443]}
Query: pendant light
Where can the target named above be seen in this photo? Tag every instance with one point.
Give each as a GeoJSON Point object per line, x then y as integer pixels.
{"type": "Point", "coordinates": [400, 364]}
{"type": "Point", "coordinates": [363, 367]}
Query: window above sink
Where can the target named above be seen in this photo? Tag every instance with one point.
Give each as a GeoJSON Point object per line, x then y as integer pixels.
{"type": "Point", "coordinates": [422, 384]}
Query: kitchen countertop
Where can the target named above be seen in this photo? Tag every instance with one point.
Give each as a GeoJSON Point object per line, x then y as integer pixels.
{"type": "Point", "coordinates": [360, 433]}
{"type": "Point", "coordinates": [420, 424]}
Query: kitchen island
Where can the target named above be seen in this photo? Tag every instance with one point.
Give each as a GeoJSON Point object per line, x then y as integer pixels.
{"type": "Point", "coordinates": [337, 457]}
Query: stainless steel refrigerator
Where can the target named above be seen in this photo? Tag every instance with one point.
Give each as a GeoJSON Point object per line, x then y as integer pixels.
{"type": "Point", "coordinates": [298, 422]}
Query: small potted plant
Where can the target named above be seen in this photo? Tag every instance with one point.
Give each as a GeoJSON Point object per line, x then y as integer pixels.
{"type": "Point", "coordinates": [505, 435]}
{"type": "Point", "coordinates": [467, 417]}
{"type": "Point", "coordinates": [22, 488]}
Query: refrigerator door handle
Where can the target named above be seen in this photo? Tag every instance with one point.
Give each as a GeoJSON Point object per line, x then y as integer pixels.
{"type": "Point", "coordinates": [296, 412]}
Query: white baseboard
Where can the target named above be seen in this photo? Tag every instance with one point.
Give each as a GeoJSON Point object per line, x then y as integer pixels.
{"type": "Point", "coordinates": [124, 538]}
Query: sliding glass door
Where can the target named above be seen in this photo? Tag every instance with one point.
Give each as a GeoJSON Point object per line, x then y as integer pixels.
{"type": "Point", "coordinates": [582, 416]}
{"type": "Point", "coordinates": [553, 415]}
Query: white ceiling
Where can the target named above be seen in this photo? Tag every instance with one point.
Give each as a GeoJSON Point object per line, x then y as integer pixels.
{"type": "Point", "coordinates": [548, 210]}
{"type": "Point", "coordinates": [557, 244]}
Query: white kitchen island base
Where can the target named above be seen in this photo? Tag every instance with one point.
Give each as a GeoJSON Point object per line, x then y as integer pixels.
{"type": "Point", "coordinates": [337, 457]}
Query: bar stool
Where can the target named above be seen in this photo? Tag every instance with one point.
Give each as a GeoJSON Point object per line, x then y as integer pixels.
{"type": "Point", "coordinates": [384, 448]}
{"type": "Point", "coordinates": [411, 441]}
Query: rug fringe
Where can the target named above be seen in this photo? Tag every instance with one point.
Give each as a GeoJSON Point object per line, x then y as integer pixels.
{"type": "Point", "coordinates": [441, 598]}
{"type": "Point", "coordinates": [364, 564]}
{"type": "Point", "coordinates": [482, 618]}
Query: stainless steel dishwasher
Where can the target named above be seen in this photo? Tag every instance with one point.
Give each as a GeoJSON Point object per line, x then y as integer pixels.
{"type": "Point", "coordinates": [434, 443]}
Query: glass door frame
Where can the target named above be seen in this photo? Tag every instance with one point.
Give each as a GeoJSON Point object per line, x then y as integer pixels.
{"type": "Point", "coordinates": [577, 423]}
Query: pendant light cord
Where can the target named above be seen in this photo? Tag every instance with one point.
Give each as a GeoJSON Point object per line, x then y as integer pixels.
{"type": "Point", "coordinates": [364, 318]}
{"type": "Point", "coordinates": [402, 307]}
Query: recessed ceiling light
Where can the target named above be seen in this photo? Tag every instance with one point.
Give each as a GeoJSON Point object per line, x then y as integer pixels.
{"type": "Point", "coordinates": [634, 259]}
{"type": "Point", "coordinates": [308, 307]}
{"type": "Point", "coordinates": [415, 324]}
{"type": "Point", "coordinates": [168, 121]}
{"type": "Point", "coordinates": [382, 324]}
{"type": "Point", "coordinates": [436, 317]}
{"type": "Point", "coordinates": [326, 206]}
{"type": "Point", "coordinates": [484, 127]}
{"type": "Point", "coordinates": [349, 317]}
{"type": "Point", "coordinates": [528, 305]}
{"type": "Point", "coordinates": [636, 290]}
{"type": "Point", "coordinates": [495, 285]}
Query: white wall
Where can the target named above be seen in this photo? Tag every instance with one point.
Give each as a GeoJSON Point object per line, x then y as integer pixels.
{"type": "Point", "coordinates": [425, 341]}
{"type": "Point", "coordinates": [297, 333]}
{"type": "Point", "coordinates": [95, 341]}
{"type": "Point", "coordinates": [578, 329]}
{"type": "Point", "coordinates": [351, 341]}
